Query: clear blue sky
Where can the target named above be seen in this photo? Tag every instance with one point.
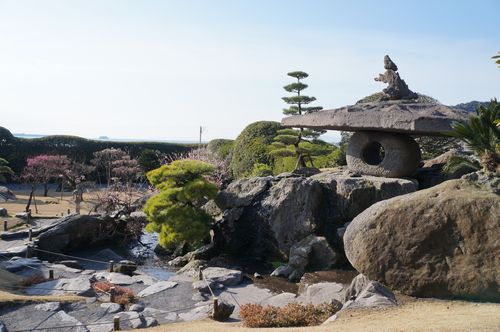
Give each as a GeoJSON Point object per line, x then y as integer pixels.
{"type": "Point", "coordinates": [160, 69]}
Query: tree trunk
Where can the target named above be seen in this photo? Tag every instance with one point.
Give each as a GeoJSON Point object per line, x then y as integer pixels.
{"type": "Point", "coordinates": [31, 197]}
{"type": "Point", "coordinates": [45, 189]}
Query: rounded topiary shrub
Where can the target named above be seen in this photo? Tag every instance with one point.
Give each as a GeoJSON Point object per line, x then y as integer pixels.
{"type": "Point", "coordinates": [251, 147]}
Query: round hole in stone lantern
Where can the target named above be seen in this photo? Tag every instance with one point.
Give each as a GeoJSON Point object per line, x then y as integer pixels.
{"type": "Point", "coordinates": [373, 153]}
{"type": "Point", "coordinates": [383, 154]}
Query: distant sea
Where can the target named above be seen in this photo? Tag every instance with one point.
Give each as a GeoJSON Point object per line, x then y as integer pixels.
{"type": "Point", "coordinates": [103, 138]}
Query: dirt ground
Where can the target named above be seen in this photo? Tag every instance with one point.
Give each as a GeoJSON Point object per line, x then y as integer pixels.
{"type": "Point", "coordinates": [421, 315]}
{"type": "Point", "coordinates": [54, 205]}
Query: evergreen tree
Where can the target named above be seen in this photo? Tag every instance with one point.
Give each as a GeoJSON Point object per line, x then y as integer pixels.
{"type": "Point", "coordinates": [497, 59]}
{"type": "Point", "coordinates": [176, 213]}
{"type": "Point", "coordinates": [299, 142]}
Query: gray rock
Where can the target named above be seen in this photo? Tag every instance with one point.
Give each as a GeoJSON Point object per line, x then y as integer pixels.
{"type": "Point", "coordinates": [220, 275]}
{"type": "Point", "coordinates": [111, 308]}
{"type": "Point", "coordinates": [6, 195]}
{"type": "Point", "coordinates": [323, 292]}
{"type": "Point", "coordinates": [74, 232]}
{"type": "Point", "coordinates": [397, 89]}
{"type": "Point", "coordinates": [125, 267]}
{"type": "Point", "coordinates": [77, 286]}
{"type": "Point", "coordinates": [138, 307]}
{"type": "Point", "coordinates": [257, 275]}
{"type": "Point", "coordinates": [282, 271]}
{"type": "Point", "coordinates": [292, 208]}
{"type": "Point", "coordinates": [72, 264]}
{"type": "Point", "coordinates": [401, 154]}
{"type": "Point", "coordinates": [241, 193]}
{"type": "Point", "coordinates": [91, 300]}
{"type": "Point", "coordinates": [363, 293]}
{"type": "Point", "coordinates": [134, 319]}
{"type": "Point", "coordinates": [16, 264]}
{"type": "Point", "coordinates": [156, 288]}
{"type": "Point", "coordinates": [21, 215]}
{"type": "Point", "coordinates": [200, 312]}
{"type": "Point", "coordinates": [115, 278]}
{"type": "Point", "coordinates": [441, 234]}
{"type": "Point", "coordinates": [48, 306]}
{"type": "Point", "coordinates": [3, 212]}
{"type": "Point", "coordinates": [312, 253]}
{"type": "Point", "coordinates": [150, 322]}
{"type": "Point", "coordinates": [199, 297]}
{"type": "Point", "coordinates": [60, 267]}
{"type": "Point", "coordinates": [279, 300]}
{"type": "Point", "coordinates": [388, 116]}
{"type": "Point", "coordinates": [2, 327]}
{"type": "Point", "coordinates": [224, 310]}
{"type": "Point", "coordinates": [63, 319]}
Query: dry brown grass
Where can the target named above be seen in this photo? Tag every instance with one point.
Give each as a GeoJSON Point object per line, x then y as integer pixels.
{"type": "Point", "coordinates": [9, 298]}
{"type": "Point", "coordinates": [422, 315]}
{"type": "Point", "coordinates": [49, 206]}
{"type": "Point", "coordinates": [123, 297]}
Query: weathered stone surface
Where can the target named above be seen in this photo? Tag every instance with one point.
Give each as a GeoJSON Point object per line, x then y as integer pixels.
{"type": "Point", "coordinates": [115, 278]}
{"type": "Point", "coordinates": [292, 208]}
{"type": "Point", "coordinates": [401, 154]}
{"type": "Point", "coordinates": [77, 231]}
{"type": "Point", "coordinates": [220, 275]}
{"type": "Point", "coordinates": [71, 264]}
{"type": "Point", "coordinates": [3, 212]}
{"type": "Point", "coordinates": [111, 308]}
{"type": "Point", "coordinates": [367, 293]}
{"type": "Point", "coordinates": [156, 288]}
{"type": "Point", "coordinates": [241, 193]}
{"type": "Point", "coordinates": [225, 310]}
{"type": "Point", "coordinates": [323, 292]}
{"type": "Point", "coordinates": [48, 306]}
{"type": "Point", "coordinates": [200, 312]}
{"type": "Point", "coordinates": [388, 116]}
{"type": "Point", "coordinates": [77, 286]}
{"type": "Point", "coordinates": [125, 267]}
{"type": "Point", "coordinates": [2, 327]}
{"type": "Point", "coordinates": [279, 300]}
{"type": "Point", "coordinates": [438, 242]}
{"type": "Point", "coordinates": [397, 89]}
{"type": "Point", "coordinates": [138, 307]}
{"type": "Point", "coordinates": [6, 195]}
{"type": "Point", "coordinates": [312, 253]}
{"type": "Point", "coordinates": [18, 263]}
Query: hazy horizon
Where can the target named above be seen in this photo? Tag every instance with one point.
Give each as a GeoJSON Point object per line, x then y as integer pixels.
{"type": "Point", "coordinates": [158, 70]}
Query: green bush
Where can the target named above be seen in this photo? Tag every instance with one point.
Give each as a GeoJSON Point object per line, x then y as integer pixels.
{"type": "Point", "coordinates": [376, 97]}
{"type": "Point", "coordinates": [176, 213]}
{"type": "Point", "coordinates": [251, 147]}
{"type": "Point", "coordinates": [222, 148]}
{"type": "Point", "coordinates": [260, 170]}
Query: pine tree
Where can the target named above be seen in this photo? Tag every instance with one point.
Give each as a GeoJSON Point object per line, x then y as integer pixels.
{"type": "Point", "coordinates": [295, 142]}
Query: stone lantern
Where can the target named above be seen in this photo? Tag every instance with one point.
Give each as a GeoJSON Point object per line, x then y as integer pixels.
{"type": "Point", "coordinates": [383, 141]}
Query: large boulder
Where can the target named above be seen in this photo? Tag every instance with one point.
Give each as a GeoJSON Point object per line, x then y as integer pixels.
{"type": "Point", "coordinates": [438, 242]}
{"type": "Point", "coordinates": [80, 231]}
{"type": "Point", "coordinates": [264, 217]}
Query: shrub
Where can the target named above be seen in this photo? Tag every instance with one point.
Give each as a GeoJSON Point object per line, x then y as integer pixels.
{"type": "Point", "coordinates": [32, 280]}
{"type": "Point", "coordinates": [291, 315]}
{"type": "Point", "coordinates": [176, 213]}
{"type": "Point", "coordinates": [260, 170]}
{"type": "Point", "coordinates": [251, 147]}
{"type": "Point", "coordinates": [222, 148]}
{"type": "Point", "coordinates": [123, 296]}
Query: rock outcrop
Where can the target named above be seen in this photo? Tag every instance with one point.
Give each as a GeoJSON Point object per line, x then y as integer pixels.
{"type": "Point", "coordinates": [80, 231]}
{"type": "Point", "coordinates": [438, 242]}
{"type": "Point", "coordinates": [265, 217]}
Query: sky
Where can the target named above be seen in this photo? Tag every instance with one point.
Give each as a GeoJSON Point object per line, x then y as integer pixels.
{"type": "Point", "coordinates": [158, 70]}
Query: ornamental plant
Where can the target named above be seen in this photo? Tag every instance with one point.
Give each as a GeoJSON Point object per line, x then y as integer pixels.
{"type": "Point", "coordinates": [175, 212]}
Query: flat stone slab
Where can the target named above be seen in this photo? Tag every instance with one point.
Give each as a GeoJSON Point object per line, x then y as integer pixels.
{"type": "Point", "coordinates": [389, 116]}
{"type": "Point", "coordinates": [220, 275]}
{"type": "Point", "coordinates": [156, 288]}
{"type": "Point", "coordinates": [76, 286]}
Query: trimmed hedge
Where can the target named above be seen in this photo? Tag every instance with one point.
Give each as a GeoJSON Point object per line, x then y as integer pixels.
{"type": "Point", "coordinates": [17, 150]}
{"type": "Point", "coordinates": [251, 147]}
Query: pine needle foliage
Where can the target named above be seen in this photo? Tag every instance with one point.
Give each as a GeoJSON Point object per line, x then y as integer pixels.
{"type": "Point", "coordinates": [176, 213]}
{"type": "Point", "coordinates": [5, 170]}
